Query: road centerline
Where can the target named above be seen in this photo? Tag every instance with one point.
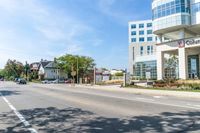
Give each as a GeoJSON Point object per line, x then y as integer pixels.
{"type": "Point", "coordinates": [20, 116]}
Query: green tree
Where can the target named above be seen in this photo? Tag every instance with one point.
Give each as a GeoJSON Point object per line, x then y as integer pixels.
{"type": "Point", "coordinates": [119, 74]}
{"type": "Point", "coordinates": [2, 73]}
{"type": "Point", "coordinates": [13, 69]}
{"type": "Point", "coordinates": [170, 66]}
{"type": "Point", "coordinates": [27, 70]}
{"type": "Point", "coordinates": [70, 63]}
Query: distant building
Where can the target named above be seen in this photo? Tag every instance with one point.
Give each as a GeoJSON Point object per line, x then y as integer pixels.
{"type": "Point", "coordinates": [47, 70]}
{"type": "Point", "coordinates": [114, 71]}
{"type": "Point", "coordinates": [102, 75]}
{"type": "Point", "coordinates": [35, 66]}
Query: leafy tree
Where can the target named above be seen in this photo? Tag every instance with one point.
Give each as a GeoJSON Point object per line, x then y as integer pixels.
{"type": "Point", "coordinates": [171, 65]}
{"type": "Point", "coordinates": [119, 74]}
{"type": "Point", "coordinates": [70, 63]}
{"type": "Point", "coordinates": [26, 70]}
{"type": "Point", "coordinates": [2, 73]}
{"type": "Point", "coordinates": [13, 69]}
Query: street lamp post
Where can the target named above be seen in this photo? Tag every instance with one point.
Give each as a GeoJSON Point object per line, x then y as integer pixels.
{"type": "Point", "coordinates": [77, 70]}
{"type": "Point", "coordinates": [26, 70]}
{"type": "Point", "coordinates": [94, 75]}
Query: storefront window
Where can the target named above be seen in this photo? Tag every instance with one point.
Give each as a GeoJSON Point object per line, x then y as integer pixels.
{"type": "Point", "coordinates": [193, 66]}
{"type": "Point", "coordinates": [141, 68]}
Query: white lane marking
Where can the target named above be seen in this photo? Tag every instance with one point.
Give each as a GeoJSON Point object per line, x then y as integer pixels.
{"type": "Point", "coordinates": [145, 99]}
{"type": "Point", "coordinates": [21, 118]}
{"type": "Point", "coordinates": [157, 97]}
{"type": "Point", "coordinates": [196, 105]}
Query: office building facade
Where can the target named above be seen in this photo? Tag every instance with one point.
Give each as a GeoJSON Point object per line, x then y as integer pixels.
{"type": "Point", "coordinates": [178, 20]}
{"type": "Point", "coordinates": [175, 29]}
{"type": "Point", "coordinates": [142, 56]}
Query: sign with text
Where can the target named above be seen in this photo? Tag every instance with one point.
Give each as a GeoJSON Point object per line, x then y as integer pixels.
{"type": "Point", "coordinates": [188, 42]}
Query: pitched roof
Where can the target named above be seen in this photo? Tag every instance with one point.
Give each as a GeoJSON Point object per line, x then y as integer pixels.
{"type": "Point", "coordinates": [51, 64]}
{"type": "Point", "coordinates": [48, 64]}
{"type": "Point", "coordinates": [34, 66]}
{"type": "Point", "coordinates": [44, 63]}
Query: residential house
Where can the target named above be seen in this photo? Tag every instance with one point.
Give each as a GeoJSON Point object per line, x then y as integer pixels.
{"type": "Point", "coordinates": [49, 70]}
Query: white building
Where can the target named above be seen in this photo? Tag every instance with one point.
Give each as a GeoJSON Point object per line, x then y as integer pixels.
{"type": "Point", "coordinates": [115, 71]}
{"type": "Point", "coordinates": [178, 20]}
{"type": "Point", "coordinates": [142, 48]}
{"type": "Point", "coordinates": [49, 70]}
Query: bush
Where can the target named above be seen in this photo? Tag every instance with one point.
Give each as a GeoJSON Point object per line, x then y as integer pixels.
{"type": "Point", "coordinates": [189, 86]}
{"type": "Point", "coordinates": [195, 86]}
{"type": "Point", "coordinates": [159, 85]}
{"type": "Point", "coordinates": [160, 82]}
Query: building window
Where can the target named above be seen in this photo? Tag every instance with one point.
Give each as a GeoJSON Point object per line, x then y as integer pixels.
{"type": "Point", "coordinates": [133, 39]}
{"type": "Point", "coordinates": [140, 69]}
{"type": "Point", "coordinates": [148, 50]}
{"type": "Point", "coordinates": [149, 31]}
{"type": "Point", "coordinates": [141, 50]}
{"type": "Point", "coordinates": [141, 39]}
{"type": "Point", "coordinates": [173, 7]}
{"type": "Point", "coordinates": [152, 49]}
{"type": "Point", "coordinates": [149, 39]}
{"type": "Point", "coordinates": [149, 24]}
{"type": "Point", "coordinates": [141, 32]}
{"type": "Point", "coordinates": [133, 26]}
{"type": "Point", "coordinates": [141, 25]}
{"type": "Point", "coordinates": [195, 8]}
{"type": "Point", "coordinates": [133, 33]}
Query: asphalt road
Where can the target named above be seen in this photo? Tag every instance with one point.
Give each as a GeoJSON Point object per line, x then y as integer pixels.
{"type": "Point", "coordinates": [39, 108]}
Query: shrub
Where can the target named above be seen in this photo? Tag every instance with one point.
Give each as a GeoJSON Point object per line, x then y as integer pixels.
{"type": "Point", "coordinates": [195, 86]}
{"type": "Point", "coordinates": [189, 86]}
{"type": "Point", "coordinates": [160, 82]}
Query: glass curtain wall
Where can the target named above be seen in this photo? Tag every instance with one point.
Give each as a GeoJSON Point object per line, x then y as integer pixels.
{"type": "Point", "coordinates": [140, 69]}
{"type": "Point", "coordinates": [176, 6]}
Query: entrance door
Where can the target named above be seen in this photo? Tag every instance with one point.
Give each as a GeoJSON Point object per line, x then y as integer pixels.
{"type": "Point", "coordinates": [193, 66]}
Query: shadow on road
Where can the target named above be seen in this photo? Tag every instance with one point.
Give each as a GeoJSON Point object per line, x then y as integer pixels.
{"type": "Point", "coordinates": [8, 92]}
{"type": "Point", "coordinates": [74, 120]}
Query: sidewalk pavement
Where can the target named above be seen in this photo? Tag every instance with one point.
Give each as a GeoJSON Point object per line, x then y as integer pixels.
{"type": "Point", "coordinates": [182, 94]}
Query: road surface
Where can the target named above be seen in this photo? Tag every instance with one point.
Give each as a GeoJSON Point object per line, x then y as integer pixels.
{"type": "Point", "coordinates": [49, 108]}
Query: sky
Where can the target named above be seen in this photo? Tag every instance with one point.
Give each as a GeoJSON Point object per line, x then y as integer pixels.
{"type": "Point", "coordinates": [31, 30]}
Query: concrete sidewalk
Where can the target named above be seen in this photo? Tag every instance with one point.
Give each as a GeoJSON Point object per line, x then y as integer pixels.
{"type": "Point", "coordinates": [144, 91]}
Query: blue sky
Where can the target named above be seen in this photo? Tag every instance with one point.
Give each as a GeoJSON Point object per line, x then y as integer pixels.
{"type": "Point", "coordinates": [43, 29]}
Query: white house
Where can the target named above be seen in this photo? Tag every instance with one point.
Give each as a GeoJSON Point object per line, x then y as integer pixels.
{"type": "Point", "coordinates": [49, 70]}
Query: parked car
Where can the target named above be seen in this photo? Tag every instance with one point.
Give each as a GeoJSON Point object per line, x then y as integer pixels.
{"type": "Point", "coordinates": [58, 81]}
{"type": "Point", "coordinates": [46, 82]}
{"type": "Point", "coordinates": [55, 81]}
{"type": "Point", "coordinates": [68, 81]}
{"type": "Point", "coordinates": [61, 81]}
{"type": "Point", "coordinates": [21, 81]}
{"type": "Point", "coordinates": [16, 79]}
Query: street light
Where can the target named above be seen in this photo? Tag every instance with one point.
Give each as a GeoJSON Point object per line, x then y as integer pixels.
{"type": "Point", "coordinates": [77, 69]}
{"type": "Point", "coordinates": [94, 75]}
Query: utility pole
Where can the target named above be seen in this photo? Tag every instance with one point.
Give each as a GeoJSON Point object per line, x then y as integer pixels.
{"type": "Point", "coordinates": [55, 61]}
{"type": "Point", "coordinates": [26, 70]}
{"type": "Point", "coordinates": [77, 70]}
{"type": "Point", "coordinates": [94, 75]}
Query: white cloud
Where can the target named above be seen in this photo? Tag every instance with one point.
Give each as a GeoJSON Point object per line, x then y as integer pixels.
{"type": "Point", "coordinates": [110, 8]}
{"type": "Point", "coordinates": [37, 31]}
